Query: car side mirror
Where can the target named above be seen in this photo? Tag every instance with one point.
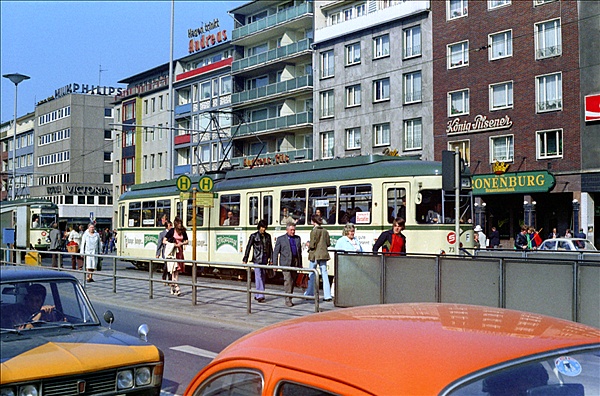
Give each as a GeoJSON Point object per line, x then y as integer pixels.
{"type": "Point", "coordinates": [143, 331]}
{"type": "Point", "coordinates": [109, 318]}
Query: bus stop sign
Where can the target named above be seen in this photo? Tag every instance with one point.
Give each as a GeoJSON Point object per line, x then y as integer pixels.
{"type": "Point", "coordinates": [206, 184]}
{"type": "Point", "coordinates": [184, 183]}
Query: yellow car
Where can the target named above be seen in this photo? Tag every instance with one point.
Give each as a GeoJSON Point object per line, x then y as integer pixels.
{"type": "Point", "coordinates": [52, 343]}
{"type": "Point", "coordinates": [410, 349]}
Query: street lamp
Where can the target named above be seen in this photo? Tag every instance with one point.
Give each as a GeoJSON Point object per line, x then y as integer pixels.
{"type": "Point", "coordinates": [576, 207]}
{"type": "Point", "coordinates": [16, 78]}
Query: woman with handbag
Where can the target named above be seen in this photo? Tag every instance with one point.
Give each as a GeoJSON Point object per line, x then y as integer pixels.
{"type": "Point", "coordinates": [176, 236]}
{"type": "Point", "coordinates": [73, 245]}
{"type": "Point", "coordinates": [90, 246]}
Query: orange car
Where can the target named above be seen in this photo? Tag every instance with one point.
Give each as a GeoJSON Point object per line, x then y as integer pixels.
{"type": "Point", "coordinates": [410, 349]}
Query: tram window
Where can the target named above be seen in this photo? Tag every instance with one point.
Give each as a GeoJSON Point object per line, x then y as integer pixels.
{"type": "Point", "coordinates": [179, 210]}
{"type": "Point", "coordinates": [148, 213]}
{"type": "Point", "coordinates": [253, 210]}
{"type": "Point", "coordinates": [323, 199]}
{"type": "Point", "coordinates": [199, 214]}
{"type": "Point", "coordinates": [135, 213]}
{"type": "Point", "coordinates": [356, 203]}
{"type": "Point", "coordinates": [230, 203]}
{"type": "Point", "coordinates": [396, 204]}
{"type": "Point", "coordinates": [35, 221]}
{"type": "Point", "coordinates": [430, 209]}
{"type": "Point", "coordinates": [268, 209]}
{"type": "Point", "coordinates": [163, 207]}
{"type": "Point", "coordinates": [293, 206]}
{"type": "Point", "coordinates": [122, 216]}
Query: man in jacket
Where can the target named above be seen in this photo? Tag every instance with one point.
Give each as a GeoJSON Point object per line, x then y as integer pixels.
{"type": "Point", "coordinates": [55, 243]}
{"type": "Point", "coordinates": [318, 255]}
{"type": "Point", "coordinates": [392, 241]}
{"type": "Point", "coordinates": [260, 243]}
{"type": "Point", "coordinates": [521, 239]}
{"type": "Point", "coordinates": [288, 253]}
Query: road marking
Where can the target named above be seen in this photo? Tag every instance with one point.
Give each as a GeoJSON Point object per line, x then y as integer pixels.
{"type": "Point", "coordinates": [194, 351]}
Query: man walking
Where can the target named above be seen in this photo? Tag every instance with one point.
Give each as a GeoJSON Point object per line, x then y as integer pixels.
{"type": "Point", "coordinates": [55, 243]}
{"type": "Point", "coordinates": [262, 250]}
{"type": "Point", "coordinates": [288, 253]}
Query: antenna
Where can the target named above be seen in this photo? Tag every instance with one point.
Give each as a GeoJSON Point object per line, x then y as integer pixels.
{"type": "Point", "coordinates": [100, 70]}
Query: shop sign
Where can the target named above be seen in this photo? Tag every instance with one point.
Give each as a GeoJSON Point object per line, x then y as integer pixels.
{"type": "Point", "coordinates": [513, 183]}
{"type": "Point", "coordinates": [86, 89]}
{"type": "Point", "coordinates": [278, 159]}
{"type": "Point", "coordinates": [480, 124]}
{"type": "Point", "coordinates": [592, 108]}
{"type": "Point", "coordinates": [201, 39]}
{"type": "Point", "coordinates": [78, 190]}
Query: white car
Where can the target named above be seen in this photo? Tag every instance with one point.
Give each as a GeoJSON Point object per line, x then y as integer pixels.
{"type": "Point", "coordinates": [567, 244]}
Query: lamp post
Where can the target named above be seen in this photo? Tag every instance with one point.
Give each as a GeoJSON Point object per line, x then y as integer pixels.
{"type": "Point", "coordinates": [576, 207]}
{"type": "Point", "coordinates": [16, 78]}
{"type": "Point", "coordinates": [529, 209]}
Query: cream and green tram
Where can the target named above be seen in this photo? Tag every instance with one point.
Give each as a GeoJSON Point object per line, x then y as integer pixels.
{"type": "Point", "coordinates": [368, 191]}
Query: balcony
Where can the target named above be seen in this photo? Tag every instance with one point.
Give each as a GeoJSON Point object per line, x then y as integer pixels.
{"type": "Point", "coordinates": [182, 139]}
{"type": "Point", "coordinates": [272, 55]}
{"type": "Point", "coordinates": [272, 89]}
{"type": "Point", "coordinates": [274, 158]}
{"type": "Point", "coordinates": [182, 109]}
{"type": "Point", "coordinates": [271, 124]}
{"type": "Point", "coordinates": [272, 20]}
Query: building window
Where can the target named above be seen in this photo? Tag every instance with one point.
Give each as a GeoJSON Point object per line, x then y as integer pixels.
{"type": "Point", "coordinates": [413, 134]}
{"type": "Point", "coordinates": [360, 10]}
{"type": "Point", "coordinates": [205, 91]}
{"type": "Point", "coordinates": [205, 153]}
{"type": "Point", "coordinates": [129, 111]}
{"type": "Point", "coordinates": [501, 96]}
{"type": "Point", "coordinates": [107, 134]}
{"type": "Point", "coordinates": [458, 54]}
{"type": "Point", "coordinates": [108, 178]}
{"type": "Point", "coordinates": [458, 102]}
{"type": "Point", "coordinates": [412, 87]}
{"type": "Point", "coordinates": [381, 90]}
{"type": "Point", "coordinates": [549, 92]}
{"type": "Point", "coordinates": [225, 85]}
{"type": "Point", "coordinates": [128, 138]}
{"type": "Point", "coordinates": [353, 54]}
{"type": "Point", "coordinates": [457, 8]}
{"type": "Point", "coordinates": [412, 41]}
{"type": "Point", "coordinates": [548, 41]}
{"type": "Point", "coordinates": [352, 138]}
{"type": "Point", "coordinates": [327, 144]}
{"type": "Point", "coordinates": [327, 64]}
{"type": "Point", "coordinates": [108, 112]}
{"type": "Point", "coordinates": [550, 144]}
{"type": "Point", "coordinates": [381, 46]}
{"type": "Point", "coordinates": [107, 156]}
{"type": "Point", "coordinates": [502, 149]}
{"type": "Point", "coordinates": [153, 105]}
{"type": "Point", "coordinates": [128, 165]}
{"type": "Point", "coordinates": [353, 95]}
{"type": "Point", "coordinates": [327, 104]}
{"type": "Point", "coordinates": [497, 3]}
{"type": "Point", "coordinates": [145, 160]}
{"type": "Point", "coordinates": [381, 133]}
{"type": "Point", "coordinates": [464, 149]}
{"type": "Point", "coordinates": [500, 44]}
{"type": "Point", "coordinates": [160, 156]}
{"type": "Point", "coordinates": [541, 2]}
{"type": "Point", "coordinates": [334, 18]}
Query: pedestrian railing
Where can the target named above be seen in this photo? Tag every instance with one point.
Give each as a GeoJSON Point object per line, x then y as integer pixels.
{"type": "Point", "coordinates": [16, 257]}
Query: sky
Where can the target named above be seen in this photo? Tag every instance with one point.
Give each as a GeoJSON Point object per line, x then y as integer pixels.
{"type": "Point", "coordinates": [57, 43]}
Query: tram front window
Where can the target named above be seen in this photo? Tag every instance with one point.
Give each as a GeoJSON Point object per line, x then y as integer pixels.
{"type": "Point", "coordinates": [430, 210]}
{"type": "Point", "coordinates": [46, 220]}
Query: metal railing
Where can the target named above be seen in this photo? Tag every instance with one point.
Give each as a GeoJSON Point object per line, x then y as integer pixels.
{"type": "Point", "coordinates": [14, 257]}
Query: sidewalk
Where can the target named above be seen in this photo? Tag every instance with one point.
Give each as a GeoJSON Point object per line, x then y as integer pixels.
{"type": "Point", "coordinates": [220, 306]}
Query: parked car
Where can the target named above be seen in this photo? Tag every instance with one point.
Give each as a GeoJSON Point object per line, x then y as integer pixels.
{"type": "Point", "coordinates": [52, 343]}
{"type": "Point", "coordinates": [567, 244]}
{"type": "Point", "coordinates": [410, 349]}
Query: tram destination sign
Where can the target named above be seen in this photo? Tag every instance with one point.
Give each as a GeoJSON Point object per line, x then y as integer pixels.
{"type": "Point", "coordinates": [513, 183]}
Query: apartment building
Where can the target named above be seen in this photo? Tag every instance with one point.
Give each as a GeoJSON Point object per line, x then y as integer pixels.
{"type": "Point", "coordinates": [24, 157]}
{"type": "Point", "coordinates": [374, 81]}
{"type": "Point", "coordinates": [272, 75]}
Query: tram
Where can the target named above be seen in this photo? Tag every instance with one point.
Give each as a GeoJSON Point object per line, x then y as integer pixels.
{"type": "Point", "coordinates": [368, 191]}
{"type": "Point", "coordinates": [32, 220]}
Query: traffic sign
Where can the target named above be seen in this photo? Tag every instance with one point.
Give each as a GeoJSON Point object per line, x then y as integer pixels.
{"type": "Point", "coordinates": [206, 184]}
{"type": "Point", "coordinates": [205, 199]}
{"type": "Point", "coordinates": [184, 183]}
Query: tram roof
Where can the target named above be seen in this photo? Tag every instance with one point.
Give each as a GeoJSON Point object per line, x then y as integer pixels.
{"type": "Point", "coordinates": [342, 169]}
{"type": "Point", "coordinates": [9, 205]}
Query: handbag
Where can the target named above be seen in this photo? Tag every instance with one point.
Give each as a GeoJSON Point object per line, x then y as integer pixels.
{"type": "Point", "coordinates": [302, 280]}
{"type": "Point", "coordinates": [72, 247]}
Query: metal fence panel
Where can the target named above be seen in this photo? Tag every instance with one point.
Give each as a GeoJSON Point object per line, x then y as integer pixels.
{"type": "Point", "coordinates": [361, 283]}
{"type": "Point", "coordinates": [541, 288]}
{"type": "Point", "coordinates": [410, 279]}
{"type": "Point", "coordinates": [470, 281]}
{"type": "Point", "coordinates": [589, 295]}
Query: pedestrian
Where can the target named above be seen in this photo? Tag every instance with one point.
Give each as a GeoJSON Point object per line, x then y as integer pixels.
{"type": "Point", "coordinates": [288, 253]}
{"type": "Point", "coordinates": [348, 242]}
{"type": "Point", "coordinates": [113, 241]}
{"type": "Point", "coordinates": [531, 240]}
{"type": "Point", "coordinates": [521, 239]}
{"type": "Point", "coordinates": [318, 255]}
{"type": "Point", "coordinates": [262, 250]}
{"type": "Point", "coordinates": [392, 241]}
{"type": "Point", "coordinates": [160, 250]}
{"type": "Point", "coordinates": [90, 247]}
{"type": "Point", "coordinates": [580, 234]}
{"type": "Point", "coordinates": [568, 234]}
{"type": "Point", "coordinates": [481, 236]}
{"type": "Point", "coordinates": [64, 238]}
{"type": "Point", "coordinates": [106, 235]}
{"type": "Point", "coordinates": [55, 243]}
{"type": "Point", "coordinates": [495, 238]}
{"type": "Point", "coordinates": [73, 245]}
{"type": "Point", "coordinates": [553, 234]}
{"type": "Point", "coordinates": [177, 236]}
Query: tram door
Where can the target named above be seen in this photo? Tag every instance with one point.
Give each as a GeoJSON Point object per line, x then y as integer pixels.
{"type": "Point", "coordinates": [260, 207]}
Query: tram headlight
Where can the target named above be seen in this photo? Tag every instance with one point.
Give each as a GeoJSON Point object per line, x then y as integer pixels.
{"type": "Point", "coordinates": [125, 379]}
